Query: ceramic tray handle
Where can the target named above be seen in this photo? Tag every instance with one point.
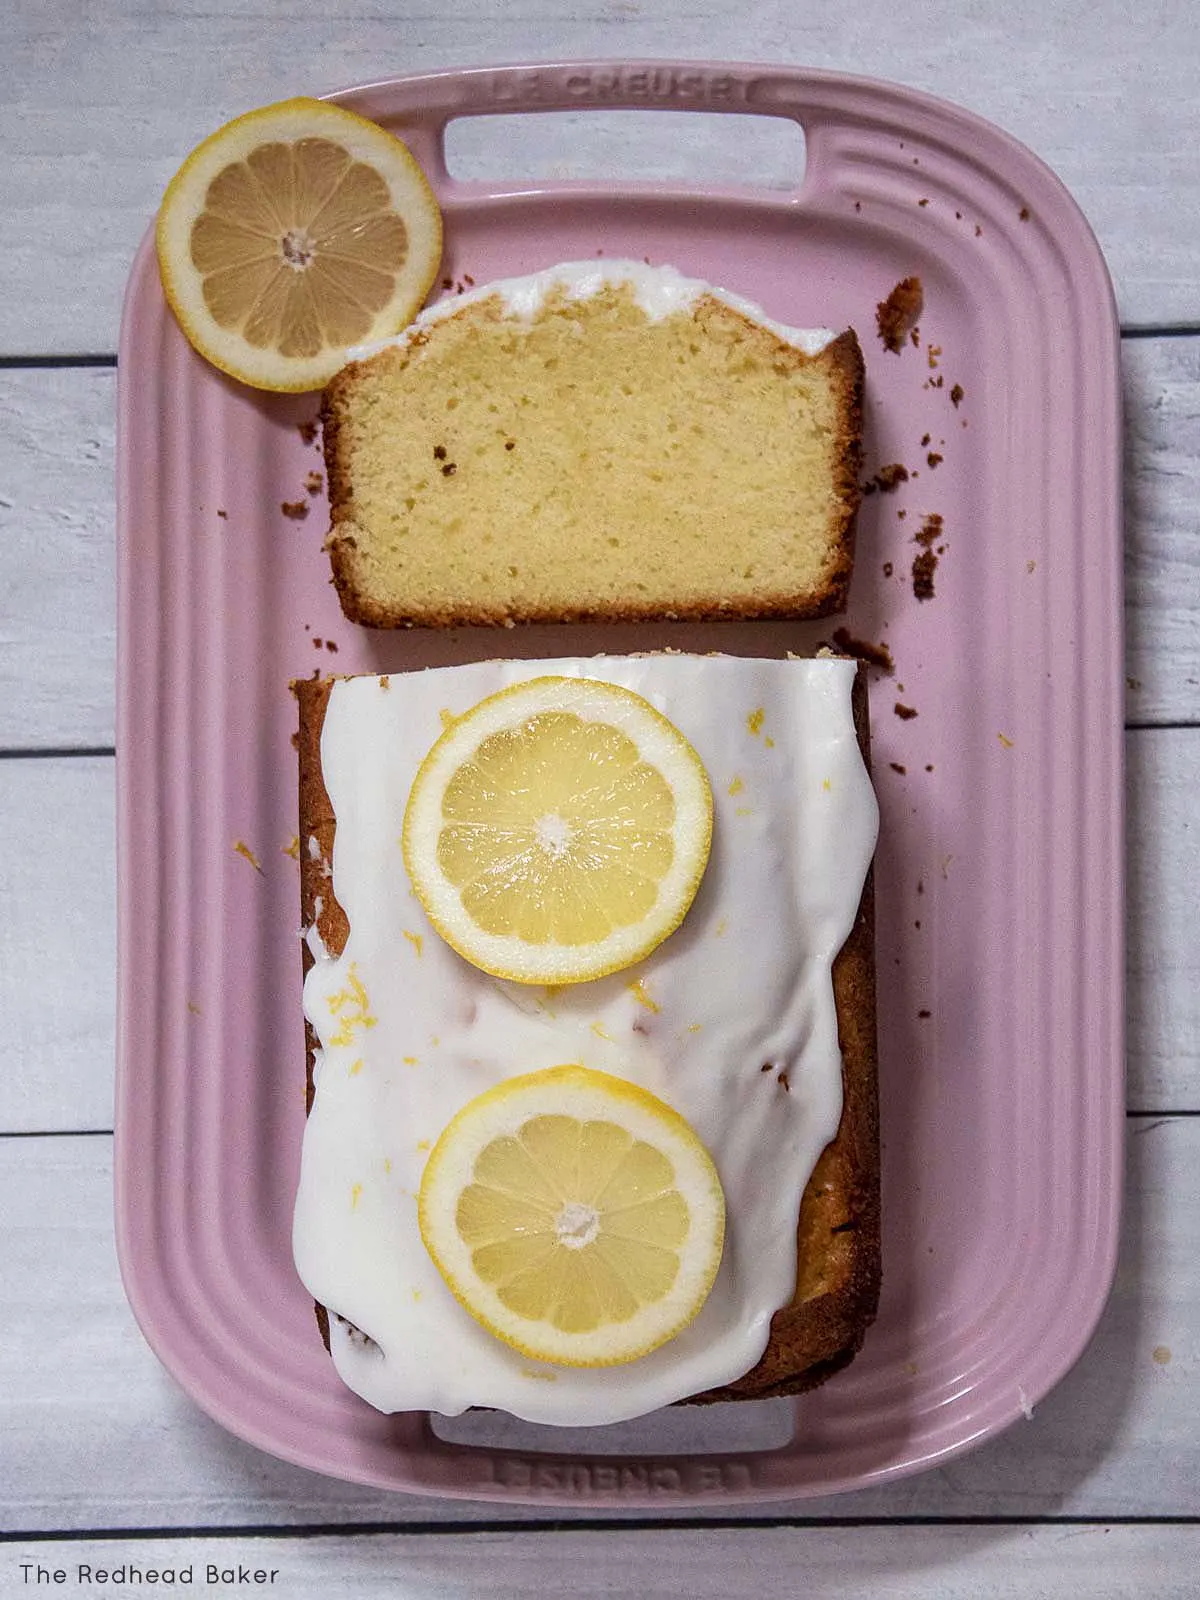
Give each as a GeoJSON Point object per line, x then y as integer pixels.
{"type": "Point", "coordinates": [804, 97]}
{"type": "Point", "coordinates": [493, 1473]}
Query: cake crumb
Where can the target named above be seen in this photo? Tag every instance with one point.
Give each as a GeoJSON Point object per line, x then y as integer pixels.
{"type": "Point", "coordinates": [292, 848]}
{"type": "Point", "coordinates": [314, 482]}
{"type": "Point", "coordinates": [1005, 741]}
{"type": "Point", "coordinates": [888, 479]}
{"type": "Point", "coordinates": [888, 569]}
{"type": "Point", "coordinates": [1023, 214]}
{"type": "Point", "coordinates": [896, 767]}
{"type": "Point", "coordinates": [1031, 566]}
{"type": "Point", "coordinates": [875, 655]}
{"type": "Point", "coordinates": [242, 849]}
{"type": "Point", "coordinates": [931, 356]}
{"type": "Point", "coordinates": [297, 510]}
{"type": "Point", "coordinates": [224, 515]}
{"type": "Point", "coordinates": [905, 713]}
{"type": "Point", "coordinates": [934, 459]}
{"type": "Point", "coordinates": [417, 940]}
{"type": "Point", "coordinates": [897, 316]}
{"type": "Point", "coordinates": [925, 565]}
{"type": "Point", "coordinates": [923, 1014]}
{"type": "Point", "coordinates": [923, 569]}
{"type": "Point", "coordinates": [956, 395]}
{"type": "Point", "coordinates": [194, 1008]}
{"type": "Point", "coordinates": [307, 430]}
{"type": "Point", "coordinates": [1162, 1354]}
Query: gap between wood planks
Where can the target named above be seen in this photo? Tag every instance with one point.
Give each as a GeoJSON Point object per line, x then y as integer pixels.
{"type": "Point", "coordinates": [339, 1530]}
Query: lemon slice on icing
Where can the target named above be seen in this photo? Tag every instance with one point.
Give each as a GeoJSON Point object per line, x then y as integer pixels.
{"type": "Point", "coordinates": [292, 233]}
{"type": "Point", "coordinates": [575, 1216]}
{"type": "Point", "coordinates": [558, 830]}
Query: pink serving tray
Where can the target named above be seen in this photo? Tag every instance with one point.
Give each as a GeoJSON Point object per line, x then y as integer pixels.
{"type": "Point", "coordinates": [1000, 865]}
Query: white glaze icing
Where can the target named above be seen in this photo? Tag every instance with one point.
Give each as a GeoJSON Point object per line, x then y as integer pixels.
{"type": "Point", "coordinates": [745, 981]}
{"type": "Point", "coordinates": [659, 291]}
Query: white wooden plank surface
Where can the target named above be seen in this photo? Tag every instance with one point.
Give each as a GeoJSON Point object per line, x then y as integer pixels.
{"type": "Point", "coordinates": [57, 561]}
{"type": "Point", "coordinates": [978, 1563]}
{"type": "Point", "coordinates": [1161, 380]}
{"type": "Point", "coordinates": [103, 102]}
{"type": "Point", "coordinates": [94, 1435]}
{"type": "Point", "coordinates": [56, 552]}
{"type": "Point", "coordinates": [58, 941]}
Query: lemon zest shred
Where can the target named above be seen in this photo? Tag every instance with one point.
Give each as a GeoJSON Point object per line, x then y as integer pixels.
{"type": "Point", "coordinates": [353, 1002]}
{"type": "Point", "coordinates": [639, 992]}
{"type": "Point", "coordinates": [242, 849]}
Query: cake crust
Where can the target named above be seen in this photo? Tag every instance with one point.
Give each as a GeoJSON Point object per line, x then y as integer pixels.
{"type": "Point", "coordinates": [822, 1327]}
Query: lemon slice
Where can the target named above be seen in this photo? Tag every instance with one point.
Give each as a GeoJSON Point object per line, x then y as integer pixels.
{"type": "Point", "coordinates": [577, 1217]}
{"type": "Point", "coordinates": [558, 830]}
{"type": "Point", "coordinates": [292, 233]}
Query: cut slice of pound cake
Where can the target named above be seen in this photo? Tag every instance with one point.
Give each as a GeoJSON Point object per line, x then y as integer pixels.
{"type": "Point", "coordinates": [601, 440]}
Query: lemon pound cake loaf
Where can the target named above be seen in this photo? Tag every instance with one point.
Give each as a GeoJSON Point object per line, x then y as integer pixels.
{"type": "Point", "coordinates": [597, 441]}
{"type": "Point", "coordinates": [582, 1200]}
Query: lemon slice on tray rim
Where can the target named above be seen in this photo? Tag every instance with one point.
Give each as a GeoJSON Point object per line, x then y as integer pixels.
{"type": "Point", "coordinates": [291, 234]}
{"type": "Point", "coordinates": [574, 1215]}
{"type": "Point", "coordinates": [558, 830]}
